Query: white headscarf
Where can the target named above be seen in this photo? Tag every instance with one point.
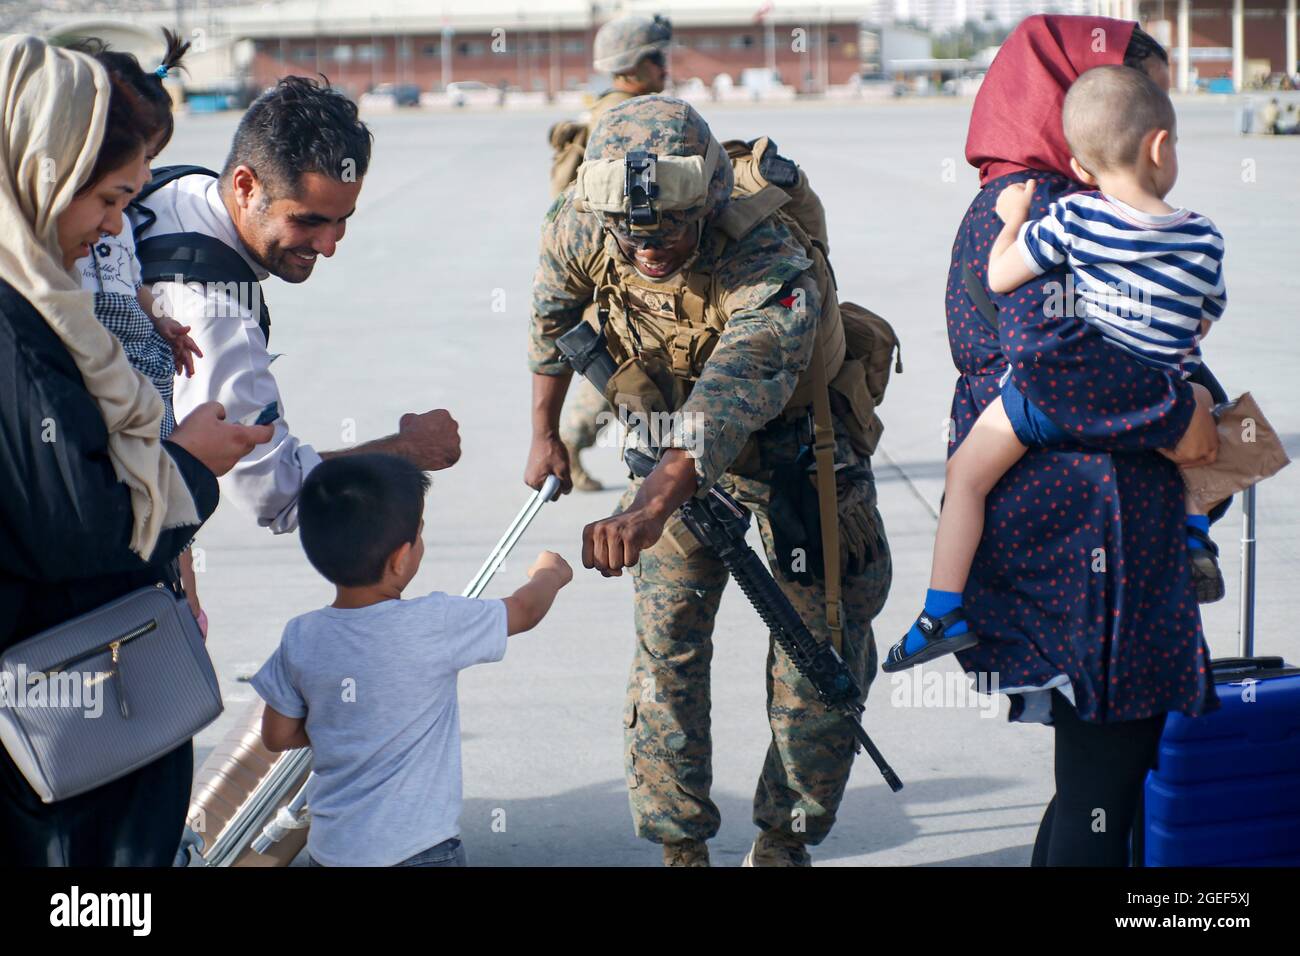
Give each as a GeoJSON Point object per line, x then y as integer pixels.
{"type": "Point", "coordinates": [55, 104]}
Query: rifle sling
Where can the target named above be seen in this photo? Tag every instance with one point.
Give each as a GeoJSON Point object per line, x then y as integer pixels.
{"type": "Point", "coordinates": [827, 498]}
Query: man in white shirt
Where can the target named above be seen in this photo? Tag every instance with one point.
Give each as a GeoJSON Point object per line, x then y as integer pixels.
{"type": "Point", "coordinates": [288, 187]}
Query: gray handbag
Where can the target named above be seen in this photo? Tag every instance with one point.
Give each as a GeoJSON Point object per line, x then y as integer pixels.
{"type": "Point", "coordinates": [89, 700]}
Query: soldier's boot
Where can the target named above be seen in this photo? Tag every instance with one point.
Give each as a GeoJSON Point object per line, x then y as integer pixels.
{"type": "Point", "coordinates": [772, 848]}
{"type": "Point", "coordinates": [582, 481]}
{"type": "Point", "coordinates": [686, 853]}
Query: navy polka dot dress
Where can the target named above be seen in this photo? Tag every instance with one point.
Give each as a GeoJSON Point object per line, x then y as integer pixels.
{"type": "Point", "coordinates": [1082, 570]}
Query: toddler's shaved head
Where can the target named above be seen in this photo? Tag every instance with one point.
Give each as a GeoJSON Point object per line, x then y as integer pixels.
{"type": "Point", "coordinates": [1107, 112]}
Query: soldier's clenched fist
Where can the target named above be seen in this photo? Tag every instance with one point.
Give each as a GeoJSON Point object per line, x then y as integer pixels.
{"type": "Point", "coordinates": [616, 543]}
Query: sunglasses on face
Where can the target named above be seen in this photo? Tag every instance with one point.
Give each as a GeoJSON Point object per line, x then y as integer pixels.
{"type": "Point", "coordinates": [665, 235]}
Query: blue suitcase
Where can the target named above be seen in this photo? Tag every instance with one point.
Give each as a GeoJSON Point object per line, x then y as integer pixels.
{"type": "Point", "coordinates": [1226, 787]}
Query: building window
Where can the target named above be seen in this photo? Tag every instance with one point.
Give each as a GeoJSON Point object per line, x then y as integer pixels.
{"type": "Point", "coordinates": [369, 52]}
{"type": "Point", "coordinates": [574, 46]}
{"type": "Point", "coordinates": [707, 43]}
{"type": "Point", "coordinates": [741, 41]}
{"type": "Point", "coordinates": [430, 50]}
{"type": "Point", "coordinates": [470, 48]}
{"type": "Point", "coordinates": [342, 54]}
{"type": "Point", "coordinates": [303, 54]}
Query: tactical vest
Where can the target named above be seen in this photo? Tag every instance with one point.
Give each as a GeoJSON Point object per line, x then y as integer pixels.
{"type": "Point", "coordinates": [670, 328]}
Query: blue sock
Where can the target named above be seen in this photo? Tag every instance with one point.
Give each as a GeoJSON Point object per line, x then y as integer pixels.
{"type": "Point", "coordinates": [937, 604]}
{"type": "Point", "coordinates": [1201, 523]}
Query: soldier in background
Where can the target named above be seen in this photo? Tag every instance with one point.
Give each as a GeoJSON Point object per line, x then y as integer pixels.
{"type": "Point", "coordinates": [632, 49]}
{"type": "Point", "coordinates": [718, 313]}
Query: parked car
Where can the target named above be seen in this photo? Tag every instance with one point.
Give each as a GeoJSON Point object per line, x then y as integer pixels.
{"type": "Point", "coordinates": [473, 93]}
{"type": "Point", "coordinates": [391, 96]}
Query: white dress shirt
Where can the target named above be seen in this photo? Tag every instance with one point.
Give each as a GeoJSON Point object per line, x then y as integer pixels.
{"type": "Point", "coordinates": [235, 367]}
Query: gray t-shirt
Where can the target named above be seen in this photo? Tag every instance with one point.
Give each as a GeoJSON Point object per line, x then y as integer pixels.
{"type": "Point", "coordinates": [378, 688]}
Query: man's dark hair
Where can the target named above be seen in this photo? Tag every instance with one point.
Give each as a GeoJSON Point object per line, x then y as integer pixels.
{"type": "Point", "coordinates": [1141, 47]}
{"type": "Point", "coordinates": [300, 126]}
{"type": "Point", "coordinates": [355, 511]}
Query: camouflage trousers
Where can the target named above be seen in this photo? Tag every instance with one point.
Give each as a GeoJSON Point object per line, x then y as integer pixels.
{"type": "Point", "coordinates": [580, 423]}
{"type": "Point", "coordinates": [667, 742]}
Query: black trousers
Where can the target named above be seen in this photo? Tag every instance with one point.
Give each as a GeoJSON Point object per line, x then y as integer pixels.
{"type": "Point", "coordinates": [136, 820]}
{"type": "Point", "coordinates": [1100, 770]}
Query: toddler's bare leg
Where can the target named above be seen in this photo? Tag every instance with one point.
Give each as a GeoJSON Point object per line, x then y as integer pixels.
{"type": "Point", "coordinates": [979, 463]}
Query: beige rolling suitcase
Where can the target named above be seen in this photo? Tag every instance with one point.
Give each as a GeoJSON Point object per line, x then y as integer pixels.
{"type": "Point", "coordinates": [239, 790]}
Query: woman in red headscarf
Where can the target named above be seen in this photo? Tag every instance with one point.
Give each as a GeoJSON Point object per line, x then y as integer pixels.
{"type": "Point", "coordinates": [1080, 592]}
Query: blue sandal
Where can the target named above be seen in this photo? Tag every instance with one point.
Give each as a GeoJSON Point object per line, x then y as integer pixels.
{"type": "Point", "coordinates": [936, 644]}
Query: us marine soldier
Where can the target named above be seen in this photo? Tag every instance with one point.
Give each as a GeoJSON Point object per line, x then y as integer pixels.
{"type": "Point", "coordinates": [716, 313]}
{"type": "Point", "coordinates": [632, 49]}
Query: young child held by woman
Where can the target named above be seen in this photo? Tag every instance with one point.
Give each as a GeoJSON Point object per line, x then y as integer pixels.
{"type": "Point", "coordinates": [1147, 275]}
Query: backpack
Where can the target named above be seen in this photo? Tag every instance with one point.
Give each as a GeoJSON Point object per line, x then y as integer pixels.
{"type": "Point", "coordinates": [872, 347]}
{"type": "Point", "coordinates": [190, 256]}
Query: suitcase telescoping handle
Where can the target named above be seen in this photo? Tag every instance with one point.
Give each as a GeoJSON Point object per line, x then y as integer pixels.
{"type": "Point", "coordinates": [1246, 626]}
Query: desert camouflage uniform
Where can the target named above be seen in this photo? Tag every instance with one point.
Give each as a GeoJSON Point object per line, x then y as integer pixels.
{"type": "Point", "coordinates": [741, 391]}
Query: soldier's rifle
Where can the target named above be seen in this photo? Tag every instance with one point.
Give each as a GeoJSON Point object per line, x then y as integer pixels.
{"type": "Point", "coordinates": [720, 523]}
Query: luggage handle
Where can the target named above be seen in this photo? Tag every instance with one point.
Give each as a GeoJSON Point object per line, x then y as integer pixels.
{"type": "Point", "coordinates": [1225, 665]}
{"type": "Point", "coordinates": [1246, 620]}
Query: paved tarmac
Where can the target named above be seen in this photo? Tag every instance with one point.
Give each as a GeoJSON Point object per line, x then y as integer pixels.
{"type": "Point", "coordinates": [426, 305]}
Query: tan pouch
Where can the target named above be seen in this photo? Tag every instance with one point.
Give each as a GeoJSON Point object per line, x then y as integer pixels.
{"type": "Point", "coordinates": [631, 389]}
{"type": "Point", "coordinates": [680, 537]}
{"type": "Point", "coordinates": [871, 340]}
{"type": "Point", "coordinates": [1249, 452]}
{"type": "Point", "coordinates": [851, 398]}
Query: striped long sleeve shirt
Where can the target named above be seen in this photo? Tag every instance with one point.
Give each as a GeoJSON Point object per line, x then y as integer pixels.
{"type": "Point", "coordinates": [1144, 281]}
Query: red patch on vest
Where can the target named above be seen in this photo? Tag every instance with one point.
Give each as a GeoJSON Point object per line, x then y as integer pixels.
{"type": "Point", "coordinates": [788, 301]}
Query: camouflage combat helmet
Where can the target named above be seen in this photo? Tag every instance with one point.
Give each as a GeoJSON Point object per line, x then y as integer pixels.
{"type": "Point", "coordinates": [689, 178]}
{"type": "Point", "coordinates": [621, 44]}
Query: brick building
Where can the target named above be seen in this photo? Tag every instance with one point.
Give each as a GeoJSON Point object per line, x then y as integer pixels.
{"type": "Point", "coordinates": [548, 48]}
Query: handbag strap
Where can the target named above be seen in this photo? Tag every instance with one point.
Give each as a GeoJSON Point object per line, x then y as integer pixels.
{"type": "Point", "coordinates": [172, 578]}
{"type": "Point", "coordinates": [979, 296]}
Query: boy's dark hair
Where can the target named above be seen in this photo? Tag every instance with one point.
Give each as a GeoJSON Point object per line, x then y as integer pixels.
{"type": "Point", "coordinates": [355, 511]}
{"type": "Point", "coordinates": [154, 102]}
{"type": "Point", "coordinates": [125, 133]}
{"type": "Point", "coordinates": [300, 126]}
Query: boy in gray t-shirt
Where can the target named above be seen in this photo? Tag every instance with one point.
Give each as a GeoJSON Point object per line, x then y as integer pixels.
{"type": "Point", "coordinates": [369, 683]}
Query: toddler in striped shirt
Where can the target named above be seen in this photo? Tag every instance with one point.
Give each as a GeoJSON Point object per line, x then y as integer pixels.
{"type": "Point", "coordinates": [1147, 276]}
